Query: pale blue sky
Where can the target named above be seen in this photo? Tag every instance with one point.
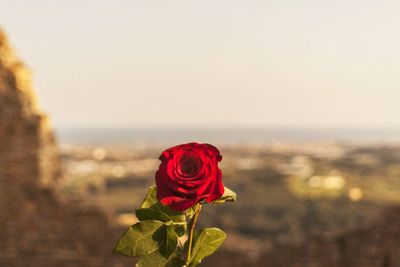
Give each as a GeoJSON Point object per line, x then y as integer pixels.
{"type": "Point", "coordinates": [212, 63]}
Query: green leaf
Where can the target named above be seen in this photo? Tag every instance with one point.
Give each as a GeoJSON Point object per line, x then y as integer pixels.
{"type": "Point", "coordinates": [151, 197]}
{"type": "Point", "coordinates": [153, 213]}
{"type": "Point", "coordinates": [180, 229]}
{"type": "Point", "coordinates": [140, 239]}
{"type": "Point", "coordinates": [205, 243]}
{"type": "Point", "coordinates": [156, 259]}
{"type": "Point", "coordinates": [228, 195]}
{"type": "Point", "coordinates": [171, 241]}
{"type": "Point", "coordinates": [190, 212]}
{"type": "Point", "coordinates": [154, 210]}
{"type": "Point", "coordinates": [175, 262]}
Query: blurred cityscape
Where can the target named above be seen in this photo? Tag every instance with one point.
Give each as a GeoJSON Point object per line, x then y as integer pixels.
{"type": "Point", "coordinates": [287, 192]}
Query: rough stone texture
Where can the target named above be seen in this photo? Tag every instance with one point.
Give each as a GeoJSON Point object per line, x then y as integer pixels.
{"type": "Point", "coordinates": [36, 228]}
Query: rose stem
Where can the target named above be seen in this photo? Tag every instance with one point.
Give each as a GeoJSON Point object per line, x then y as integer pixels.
{"type": "Point", "coordinates": [191, 230]}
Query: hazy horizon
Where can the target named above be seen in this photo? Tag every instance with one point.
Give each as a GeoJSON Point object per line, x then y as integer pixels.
{"type": "Point", "coordinates": [228, 135]}
{"type": "Point", "coordinates": [253, 64]}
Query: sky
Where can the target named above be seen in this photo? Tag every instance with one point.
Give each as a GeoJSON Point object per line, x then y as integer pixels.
{"type": "Point", "coordinates": [219, 63]}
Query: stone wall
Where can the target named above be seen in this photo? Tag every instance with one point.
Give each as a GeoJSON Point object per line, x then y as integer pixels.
{"type": "Point", "coordinates": [36, 228]}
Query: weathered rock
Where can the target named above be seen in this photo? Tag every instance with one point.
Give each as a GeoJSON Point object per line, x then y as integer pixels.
{"type": "Point", "coordinates": [36, 228]}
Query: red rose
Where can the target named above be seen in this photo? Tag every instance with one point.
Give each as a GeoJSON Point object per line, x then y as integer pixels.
{"type": "Point", "coordinates": [189, 174]}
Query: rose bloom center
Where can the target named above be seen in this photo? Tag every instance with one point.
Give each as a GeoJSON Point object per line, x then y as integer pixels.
{"type": "Point", "coordinates": [190, 166]}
